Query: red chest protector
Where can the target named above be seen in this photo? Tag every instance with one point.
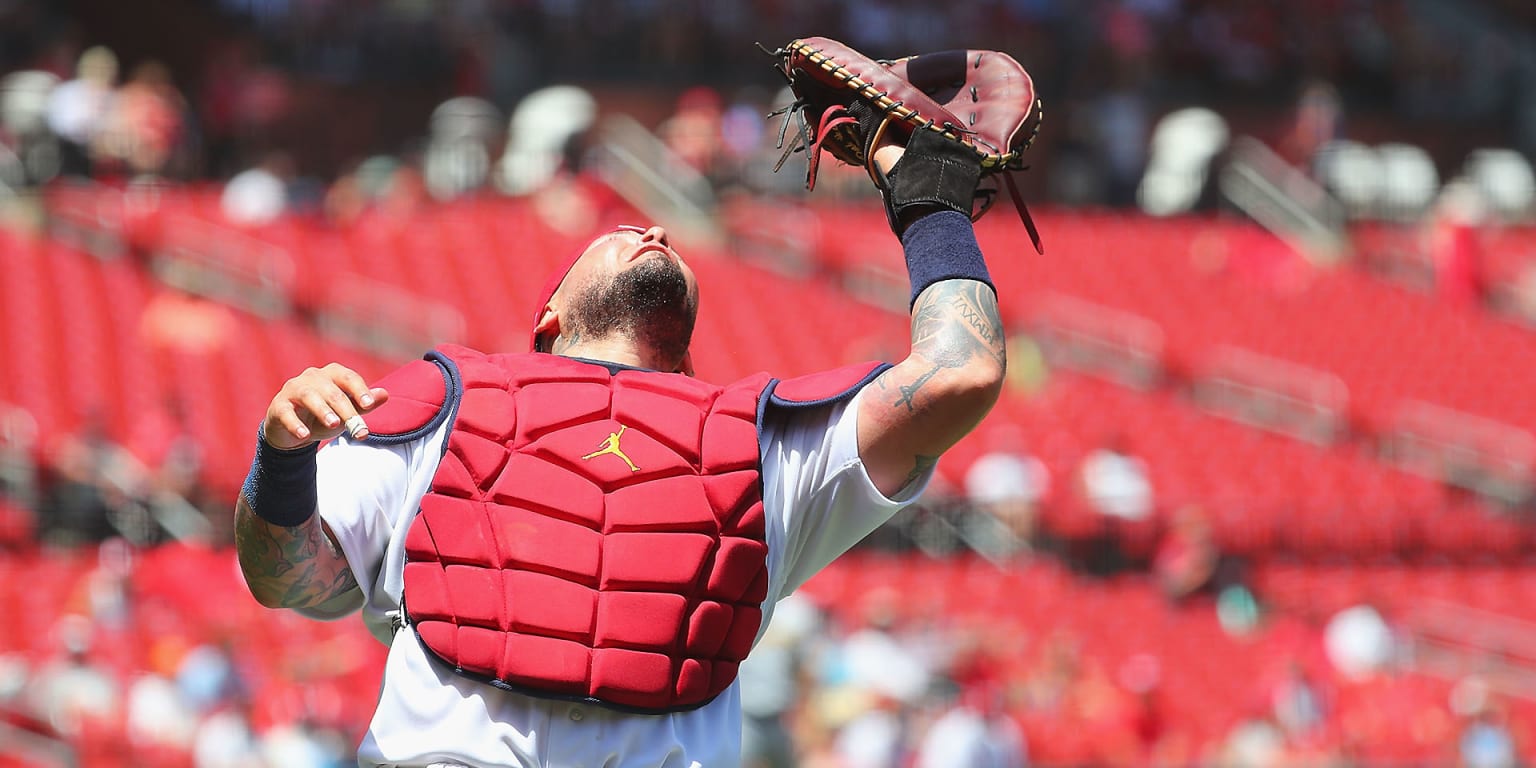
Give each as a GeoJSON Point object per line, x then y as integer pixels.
{"type": "Point", "coordinates": [591, 533]}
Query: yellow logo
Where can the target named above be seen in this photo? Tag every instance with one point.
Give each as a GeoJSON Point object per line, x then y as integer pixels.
{"type": "Point", "coordinates": [611, 445]}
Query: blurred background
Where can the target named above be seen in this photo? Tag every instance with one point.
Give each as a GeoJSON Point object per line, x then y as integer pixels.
{"type": "Point", "coordinates": [1259, 491]}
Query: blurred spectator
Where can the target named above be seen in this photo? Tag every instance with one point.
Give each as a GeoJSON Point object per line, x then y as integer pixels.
{"type": "Point", "coordinates": [1484, 739]}
{"type": "Point", "coordinates": [29, 152]}
{"type": "Point", "coordinates": [1358, 642]}
{"type": "Point", "coordinates": [742, 130]}
{"type": "Point", "coordinates": [1049, 682]}
{"type": "Point", "coordinates": [1141, 677]}
{"type": "Point", "coordinates": [78, 109]}
{"type": "Point", "coordinates": [18, 477]}
{"type": "Point", "coordinates": [878, 675]}
{"type": "Point", "coordinates": [300, 745]}
{"type": "Point", "coordinates": [457, 159]}
{"type": "Point", "coordinates": [773, 679]}
{"type": "Point", "coordinates": [1296, 702]}
{"type": "Point", "coordinates": [1253, 743]}
{"type": "Point", "coordinates": [403, 196]}
{"type": "Point", "coordinates": [258, 194]}
{"type": "Point", "coordinates": [175, 321]}
{"type": "Point", "coordinates": [1109, 714]}
{"type": "Point", "coordinates": [1116, 482]}
{"type": "Point", "coordinates": [1008, 484]}
{"type": "Point", "coordinates": [1186, 558]}
{"type": "Point", "coordinates": [90, 487]}
{"type": "Point", "coordinates": [1523, 293]}
{"type": "Point", "coordinates": [976, 733]}
{"type": "Point", "coordinates": [874, 658]}
{"type": "Point", "coordinates": [1486, 742]}
{"type": "Point", "coordinates": [108, 588]}
{"type": "Point", "coordinates": [18, 524]}
{"type": "Point", "coordinates": [169, 448]}
{"type": "Point", "coordinates": [1317, 121]}
{"type": "Point", "coordinates": [157, 718]}
{"type": "Point", "coordinates": [348, 198]}
{"type": "Point", "coordinates": [145, 127]}
{"type": "Point", "coordinates": [875, 737]}
{"type": "Point", "coordinates": [545, 136]}
{"type": "Point", "coordinates": [693, 132]}
{"type": "Point", "coordinates": [224, 740]}
{"type": "Point", "coordinates": [72, 693]}
{"type": "Point", "coordinates": [1454, 229]}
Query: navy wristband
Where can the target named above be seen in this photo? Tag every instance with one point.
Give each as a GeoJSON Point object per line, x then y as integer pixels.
{"type": "Point", "coordinates": [942, 246]}
{"type": "Point", "coordinates": [281, 486]}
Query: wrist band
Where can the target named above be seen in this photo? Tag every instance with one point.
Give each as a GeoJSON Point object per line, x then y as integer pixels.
{"type": "Point", "coordinates": [942, 246]}
{"type": "Point", "coordinates": [281, 485]}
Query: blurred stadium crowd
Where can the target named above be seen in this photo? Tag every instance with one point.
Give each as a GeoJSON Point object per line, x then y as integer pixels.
{"type": "Point", "coordinates": [1260, 491]}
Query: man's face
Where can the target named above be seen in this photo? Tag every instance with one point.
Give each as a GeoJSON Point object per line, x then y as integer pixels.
{"type": "Point", "coordinates": [631, 282]}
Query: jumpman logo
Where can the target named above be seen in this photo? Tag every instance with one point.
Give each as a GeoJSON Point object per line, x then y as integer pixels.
{"type": "Point", "coordinates": [611, 445]}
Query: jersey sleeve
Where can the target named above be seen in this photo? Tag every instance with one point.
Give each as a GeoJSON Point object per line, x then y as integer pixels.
{"type": "Point", "coordinates": [817, 496]}
{"type": "Point", "coordinates": [366, 491]}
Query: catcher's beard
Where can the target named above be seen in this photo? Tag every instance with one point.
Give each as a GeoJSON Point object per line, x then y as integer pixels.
{"type": "Point", "coordinates": [649, 303]}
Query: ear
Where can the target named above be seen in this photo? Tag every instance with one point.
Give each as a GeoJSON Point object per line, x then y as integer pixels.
{"type": "Point", "coordinates": [548, 326]}
{"type": "Point", "coordinates": [686, 367]}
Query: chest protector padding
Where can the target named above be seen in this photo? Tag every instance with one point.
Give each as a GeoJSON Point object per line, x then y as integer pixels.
{"type": "Point", "coordinates": [590, 534]}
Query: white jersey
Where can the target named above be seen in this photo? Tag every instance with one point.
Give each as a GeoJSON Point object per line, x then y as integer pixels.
{"type": "Point", "coordinates": [818, 501]}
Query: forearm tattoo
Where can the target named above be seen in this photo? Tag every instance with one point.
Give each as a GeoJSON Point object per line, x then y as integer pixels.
{"type": "Point", "coordinates": [295, 567]}
{"type": "Point", "coordinates": [954, 323]}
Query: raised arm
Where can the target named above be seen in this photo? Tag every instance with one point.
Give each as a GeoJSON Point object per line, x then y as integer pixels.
{"type": "Point", "coordinates": [954, 372]}
{"type": "Point", "coordinates": [289, 558]}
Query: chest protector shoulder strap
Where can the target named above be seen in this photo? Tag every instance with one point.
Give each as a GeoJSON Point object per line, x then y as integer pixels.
{"type": "Point", "coordinates": [590, 534]}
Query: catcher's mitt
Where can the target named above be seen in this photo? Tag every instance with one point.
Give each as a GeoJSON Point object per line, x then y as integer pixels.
{"type": "Point", "coordinates": [845, 102]}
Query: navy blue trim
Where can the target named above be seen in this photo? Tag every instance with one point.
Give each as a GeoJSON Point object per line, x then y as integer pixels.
{"type": "Point", "coordinates": [613, 368]}
{"type": "Point", "coordinates": [768, 397]}
{"type": "Point", "coordinates": [453, 389]}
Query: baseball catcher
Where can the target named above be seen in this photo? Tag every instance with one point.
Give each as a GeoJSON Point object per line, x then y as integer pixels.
{"type": "Point", "coordinates": [571, 550]}
{"type": "Point", "coordinates": [953, 110]}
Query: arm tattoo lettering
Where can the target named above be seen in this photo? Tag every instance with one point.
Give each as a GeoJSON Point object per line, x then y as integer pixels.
{"type": "Point", "coordinates": [953, 323]}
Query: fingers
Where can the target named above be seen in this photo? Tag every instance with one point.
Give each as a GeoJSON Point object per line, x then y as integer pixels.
{"type": "Point", "coordinates": [324, 406]}
{"type": "Point", "coordinates": [352, 384]}
{"type": "Point", "coordinates": [352, 398]}
{"type": "Point", "coordinates": [320, 404]}
{"type": "Point", "coordinates": [283, 428]}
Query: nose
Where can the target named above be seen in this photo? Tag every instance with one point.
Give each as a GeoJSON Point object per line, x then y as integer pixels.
{"type": "Point", "coordinates": [655, 235]}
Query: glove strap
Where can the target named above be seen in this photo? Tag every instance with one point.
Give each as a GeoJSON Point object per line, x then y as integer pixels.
{"type": "Point", "coordinates": [1018, 202]}
{"type": "Point", "coordinates": [933, 174]}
